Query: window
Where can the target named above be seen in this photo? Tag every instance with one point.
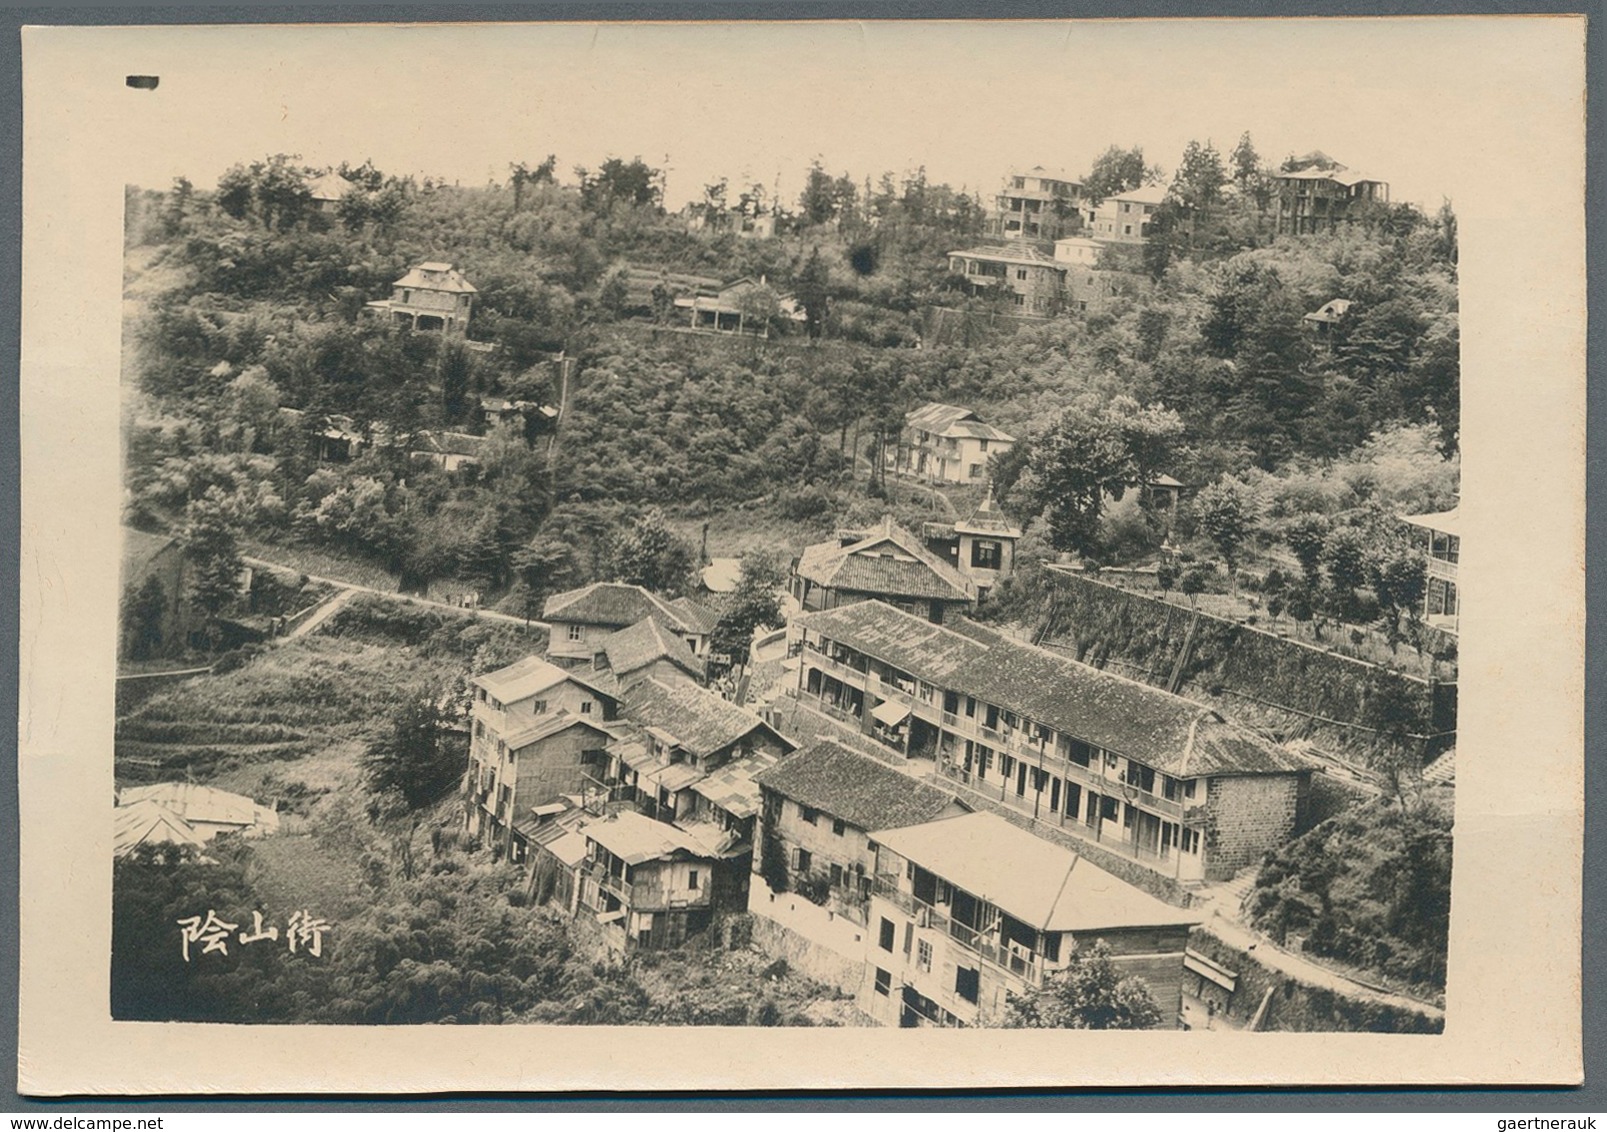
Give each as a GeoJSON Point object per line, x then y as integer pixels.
{"type": "Point", "coordinates": [970, 707]}
{"type": "Point", "coordinates": [976, 471]}
{"type": "Point", "coordinates": [1141, 776]}
{"type": "Point", "coordinates": [585, 707]}
{"type": "Point", "coordinates": [967, 983]}
{"type": "Point", "coordinates": [985, 554]}
{"type": "Point", "coordinates": [804, 860]}
{"type": "Point", "coordinates": [1007, 766]}
{"type": "Point", "coordinates": [538, 707]}
{"type": "Point", "coordinates": [1021, 273]}
{"type": "Point", "coordinates": [884, 981]}
{"type": "Point", "coordinates": [1191, 841]}
{"type": "Point", "coordinates": [838, 826]}
{"type": "Point", "coordinates": [1081, 753]}
{"type": "Point", "coordinates": [1169, 787]}
{"type": "Point", "coordinates": [692, 880]}
{"type": "Point", "coordinates": [983, 445]}
{"type": "Point", "coordinates": [575, 632]}
{"type": "Point", "coordinates": [806, 815]}
{"type": "Point", "coordinates": [1127, 229]}
{"type": "Point", "coordinates": [923, 955]}
{"type": "Point", "coordinates": [885, 940]}
{"type": "Point", "coordinates": [836, 875]}
{"type": "Point", "coordinates": [1188, 788]}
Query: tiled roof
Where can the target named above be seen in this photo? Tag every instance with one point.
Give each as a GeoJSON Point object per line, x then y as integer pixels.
{"type": "Point", "coordinates": [1035, 881]}
{"type": "Point", "coordinates": [611, 603]}
{"type": "Point", "coordinates": [697, 618]}
{"type": "Point", "coordinates": [1160, 730]}
{"type": "Point", "coordinates": [936, 416]}
{"type": "Point", "coordinates": [861, 791]}
{"type": "Point", "coordinates": [644, 642]}
{"type": "Point", "coordinates": [437, 277]}
{"type": "Point", "coordinates": [909, 643]}
{"type": "Point", "coordinates": [987, 519]}
{"type": "Point", "coordinates": [868, 566]}
{"type": "Point", "coordinates": [701, 721]}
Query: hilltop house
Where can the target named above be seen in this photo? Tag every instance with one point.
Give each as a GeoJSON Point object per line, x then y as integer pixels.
{"type": "Point", "coordinates": [648, 649]}
{"type": "Point", "coordinates": [1165, 781]}
{"type": "Point", "coordinates": [1124, 217]}
{"type": "Point", "coordinates": [982, 546]}
{"type": "Point", "coordinates": [1036, 204]}
{"type": "Point", "coordinates": [581, 618]}
{"type": "Point", "coordinates": [328, 190]}
{"type": "Point", "coordinates": [430, 297]}
{"type": "Point", "coordinates": [1034, 281]}
{"type": "Point", "coordinates": [968, 909]}
{"type": "Point", "coordinates": [449, 451]}
{"type": "Point", "coordinates": [888, 563]}
{"type": "Point", "coordinates": [743, 306]}
{"type": "Point", "coordinates": [1318, 194]}
{"type": "Point", "coordinates": [537, 733]}
{"type": "Point", "coordinates": [948, 444]}
{"type": "Point", "coordinates": [1439, 535]}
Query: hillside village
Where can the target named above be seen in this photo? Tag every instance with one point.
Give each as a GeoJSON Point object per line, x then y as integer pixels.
{"type": "Point", "coordinates": [900, 606]}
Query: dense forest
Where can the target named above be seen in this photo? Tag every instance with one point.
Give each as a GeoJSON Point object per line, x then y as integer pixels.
{"type": "Point", "coordinates": [250, 300]}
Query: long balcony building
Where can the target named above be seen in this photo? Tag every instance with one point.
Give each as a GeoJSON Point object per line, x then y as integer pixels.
{"type": "Point", "coordinates": [1163, 780]}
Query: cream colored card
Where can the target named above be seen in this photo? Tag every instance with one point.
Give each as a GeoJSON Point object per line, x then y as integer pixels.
{"type": "Point", "coordinates": [1487, 112]}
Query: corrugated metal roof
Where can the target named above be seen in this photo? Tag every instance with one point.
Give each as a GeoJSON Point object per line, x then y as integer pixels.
{"type": "Point", "coordinates": [634, 838]}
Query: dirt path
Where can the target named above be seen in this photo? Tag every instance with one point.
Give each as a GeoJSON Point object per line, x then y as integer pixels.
{"type": "Point", "coordinates": [354, 588]}
{"type": "Point", "coordinates": [1218, 906]}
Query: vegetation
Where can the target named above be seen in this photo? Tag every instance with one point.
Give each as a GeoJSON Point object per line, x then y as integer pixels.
{"type": "Point", "coordinates": [1089, 993]}
{"type": "Point", "coordinates": [1370, 887]}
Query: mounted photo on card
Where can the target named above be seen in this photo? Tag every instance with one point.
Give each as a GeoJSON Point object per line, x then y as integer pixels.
{"type": "Point", "coordinates": [759, 531]}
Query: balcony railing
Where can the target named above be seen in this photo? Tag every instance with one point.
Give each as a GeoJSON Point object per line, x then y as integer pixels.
{"type": "Point", "coordinates": [1439, 568]}
{"type": "Point", "coordinates": [931, 916]}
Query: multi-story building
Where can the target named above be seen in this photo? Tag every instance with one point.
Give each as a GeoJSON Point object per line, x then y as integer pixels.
{"type": "Point", "coordinates": [537, 733]}
{"type": "Point", "coordinates": [982, 546]}
{"type": "Point", "coordinates": [1124, 217]}
{"type": "Point", "coordinates": [1036, 204]}
{"type": "Point", "coordinates": [819, 807]}
{"type": "Point", "coordinates": [1034, 281]}
{"type": "Point", "coordinates": [967, 910]}
{"type": "Point", "coordinates": [1318, 194]}
{"type": "Point", "coordinates": [1440, 536]}
{"type": "Point", "coordinates": [645, 884]}
{"type": "Point", "coordinates": [432, 297]}
{"type": "Point", "coordinates": [1163, 780]}
{"type": "Point", "coordinates": [582, 618]}
{"type": "Point", "coordinates": [887, 563]}
{"type": "Point", "coordinates": [947, 444]}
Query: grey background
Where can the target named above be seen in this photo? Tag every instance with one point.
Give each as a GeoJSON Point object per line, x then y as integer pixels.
{"type": "Point", "coordinates": [1591, 1098]}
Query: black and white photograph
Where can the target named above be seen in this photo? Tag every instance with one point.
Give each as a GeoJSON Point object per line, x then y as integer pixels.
{"type": "Point", "coordinates": [773, 529]}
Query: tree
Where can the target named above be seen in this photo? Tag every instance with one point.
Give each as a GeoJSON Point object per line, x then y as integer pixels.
{"type": "Point", "coordinates": [1193, 584]}
{"type": "Point", "coordinates": [1306, 536]}
{"type": "Point", "coordinates": [1085, 456]}
{"type": "Point", "coordinates": [144, 609]}
{"type": "Point", "coordinates": [812, 289]}
{"type": "Point", "coordinates": [755, 605]}
{"type": "Point", "coordinates": [633, 183]}
{"type": "Point", "coordinates": [1345, 558]}
{"type": "Point", "coordinates": [652, 556]}
{"type": "Point", "coordinates": [1398, 574]}
{"type": "Point", "coordinates": [1115, 171]}
{"type": "Point", "coordinates": [1197, 185]}
{"type": "Point", "coordinates": [413, 761]}
{"type": "Point", "coordinates": [213, 551]}
{"type": "Point", "coordinates": [1227, 514]}
{"type": "Point", "coordinates": [1089, 993]}
{"type": "Point", "coordinates": [1245, 162]}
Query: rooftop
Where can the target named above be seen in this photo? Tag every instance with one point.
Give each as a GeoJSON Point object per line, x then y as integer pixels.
{"type": "Point", "coordinates": [545, 726]}
{"type": "Point", "coordinates": [639, 645]}
{"type": "Point", "coordinates": [437, 277]}
{"type": "Point", "coordinates": [204, 804]}
{"type": "Point", "coordinates": [1035, 881]}
{"type": "Point", "coordinates": [522, 679]}
{"type": "Point", "coordinates": [699, 720]}
{"type": "Point", "coordinates": [613, 604]}
{"type": "Point", "coordinates": [634, 838]}
{"type": "Point", "coordinates": [889, 560]}
{"type": "Point", "coordinates": [1018, 252]}
{"type": "Point", "coordinates": [140, 549]}
{"type": "Point", "coordinates": [1446, 522]}
{"type": "Point", "coordinates": [863, 792]}
{"type": "Point", "coordinates": [1154, 727]}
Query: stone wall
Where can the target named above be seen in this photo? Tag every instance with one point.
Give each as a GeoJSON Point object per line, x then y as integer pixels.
{"type": "Point", "coordinates": [1247, 816]}
{"type": "Point", "coordinates": [823, 946]}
